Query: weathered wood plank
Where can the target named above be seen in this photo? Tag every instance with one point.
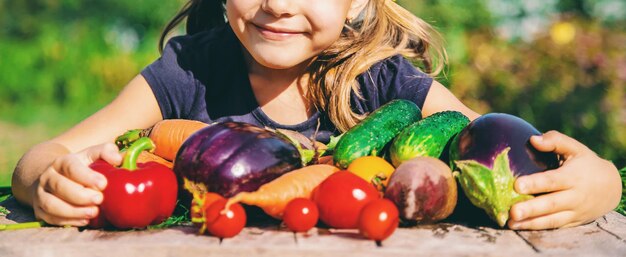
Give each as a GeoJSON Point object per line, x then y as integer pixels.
{"type": "Point", "coordinates": [585, 240]}
{"type": "Point", "coordinates": [335, 242]}
{"type": "Point", "coordinates": [605, 237]}
{"type": "Point", "coordinates": [455, 240]}
{"type": "Point", "coordinates": [615, 224]}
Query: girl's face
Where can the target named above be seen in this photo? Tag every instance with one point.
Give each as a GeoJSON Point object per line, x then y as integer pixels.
{"type": "Point", "coordinates": [280, 34]}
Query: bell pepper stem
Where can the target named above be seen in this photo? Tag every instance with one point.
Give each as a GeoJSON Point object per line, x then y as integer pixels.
{"type": "Point", "coordinates": [133, 151]}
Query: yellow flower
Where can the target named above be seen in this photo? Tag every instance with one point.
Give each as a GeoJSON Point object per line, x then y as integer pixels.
{"type": "Point", "coordinates": [562, 32]}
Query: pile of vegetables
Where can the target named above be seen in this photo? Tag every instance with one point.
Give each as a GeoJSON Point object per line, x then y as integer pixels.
{"type": "Point", "coordinates": [392, 168]}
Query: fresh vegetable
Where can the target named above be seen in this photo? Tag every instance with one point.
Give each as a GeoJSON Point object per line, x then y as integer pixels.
{"type": "Point", "coordinates": [423, 189]}
{"type": "Point", "coordinates": [341, 197]}
{"type": "Point", "coordinates": [232, 157]}
{"type": "Point", "coordinates": [137, 194]}
{"type": "Point", "coordinates": [224, 223]}
{"type": "Point", "coordinates": [274, 196]}
{"type": "Point", "coordinates": [378, 219]}
{"type": "Point", "coordinates": [301, 214]}
{"type": "Point", "coordinates": [167, 135]}
{"type": "Point", "coordinates": [199, 204]}
{"type": "Point", "coordinates": [371, 135]}
{"type": "Point", "coordinates": [489, 153]}
{"type": "Point", "coordinates": [372, 169]}
{"type": "Point", "coordinates": [427, 137]}
{"type": "Point", "coordinates": [310, 150]}
{"type": "Point", "coordinates": [150, 157]}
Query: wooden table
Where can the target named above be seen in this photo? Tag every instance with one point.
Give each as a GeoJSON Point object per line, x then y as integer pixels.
{"type": "Point", "coordinates": [603, 237]}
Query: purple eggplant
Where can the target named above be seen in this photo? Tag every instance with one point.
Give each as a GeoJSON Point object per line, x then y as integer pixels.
{"type": "Point", "coordinates": [489, 154]}
{"type": "Point", "coordinates": [231, 157]}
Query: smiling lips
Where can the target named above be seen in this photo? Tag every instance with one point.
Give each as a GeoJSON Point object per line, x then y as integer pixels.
{"type": "Point", "coordinates": [277, 34]}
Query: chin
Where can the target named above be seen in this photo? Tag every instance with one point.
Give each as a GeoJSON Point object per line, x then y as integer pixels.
{"type": "Point", "coordinates": [278, 61]}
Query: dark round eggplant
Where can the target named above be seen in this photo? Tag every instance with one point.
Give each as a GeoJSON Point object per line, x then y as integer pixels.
{"type": "Point", "coordinates": [487, 136]}
{"type": "Point", "coordinates": [232, 157]}
{"type": "Point", "coordinates": [489, 154]}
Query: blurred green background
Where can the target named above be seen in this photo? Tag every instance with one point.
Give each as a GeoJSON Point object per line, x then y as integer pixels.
{"type": "Point", "coordinates": [560, 64]}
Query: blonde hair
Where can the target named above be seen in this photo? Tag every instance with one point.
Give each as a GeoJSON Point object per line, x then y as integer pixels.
{"type": "Point", "coordinates": [384, 30]}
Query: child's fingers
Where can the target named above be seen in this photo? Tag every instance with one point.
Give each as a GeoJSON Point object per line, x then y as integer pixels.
{"type": "Point", "coordinates": [73, 168]}
{"type": "Point", "coordinates": [544, 182]}
{"type": "Point", "coordinates": [53, 210]}
{"type": "Point", "coordinates": [554, 141]}
{"type": "Point", "coordinates": [108, 152]}
{"type": "Point", "coordinates": [59, 221]}
{"type": "Point", "coordinates": [543, 205]}
{"type": "Point", "coordinates": [555, 220]}
{"type": "Point", "coordinates": [68, 190]}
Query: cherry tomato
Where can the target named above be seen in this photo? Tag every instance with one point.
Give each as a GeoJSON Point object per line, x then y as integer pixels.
{"type": "Point", "coordinates": [224, 225]}
{"type": "Point", "coordinates": [379, 219]}
{"type": "Point", "coordinates": [199, 204]}
{"type": "Point", "coordinates": [300, 215]}
{"type": "Point", "coordinates": [340, 198]}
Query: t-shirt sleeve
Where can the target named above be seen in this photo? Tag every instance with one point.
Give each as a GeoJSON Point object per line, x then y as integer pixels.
{"type": "Point", "coordinates": [394, 78]}
{"type": "Point", "coordinates": [173, 85]}
{"type": "Point", "coordinates": [405, 81]}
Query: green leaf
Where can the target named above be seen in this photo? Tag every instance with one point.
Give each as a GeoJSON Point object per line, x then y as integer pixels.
{"type": "Point", "coordinates": [4, 211]}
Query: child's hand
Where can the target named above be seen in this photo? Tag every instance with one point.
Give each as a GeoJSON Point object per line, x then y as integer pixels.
{"type": "Point", "coordinates": [584, 188]}
{"type": "Point", "coordinates": [68, 192]}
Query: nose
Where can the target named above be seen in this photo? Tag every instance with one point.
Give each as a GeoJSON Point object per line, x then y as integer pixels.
{"type": "Point", "coordinates": [278, 8]}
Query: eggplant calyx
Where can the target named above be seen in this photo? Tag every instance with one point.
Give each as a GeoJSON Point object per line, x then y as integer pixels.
{"type": "Point", "coordinates": [490, 189]}
{"type": "Point", "coordinates": [306, 147]}
{"type": "Point", "coordinates": [195, 187]}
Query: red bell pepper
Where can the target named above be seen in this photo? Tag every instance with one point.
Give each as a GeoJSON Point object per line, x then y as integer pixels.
{"type": "Point", "coordinates": [136, 195]}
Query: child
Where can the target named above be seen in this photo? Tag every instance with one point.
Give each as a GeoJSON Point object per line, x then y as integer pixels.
{"type": "Point", "coordinates": [292, 64]}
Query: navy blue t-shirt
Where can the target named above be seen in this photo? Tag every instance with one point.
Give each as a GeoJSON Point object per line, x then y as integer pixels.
{"type": "Point", "coordinates": [204, 77]}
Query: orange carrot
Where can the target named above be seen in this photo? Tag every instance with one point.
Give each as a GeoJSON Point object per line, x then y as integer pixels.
{"type": "Point", "coordinates": [167, 135]}
{"type": "Point", "coordinates": [274, 196]}
{"type": "Point", "coordinates": [150, 157]}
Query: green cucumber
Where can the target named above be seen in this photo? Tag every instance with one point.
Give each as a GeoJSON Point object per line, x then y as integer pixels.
{"type": "Point", "coordinates": [427, 137]}
{"type": "Point", "coordinates": [370, 136]}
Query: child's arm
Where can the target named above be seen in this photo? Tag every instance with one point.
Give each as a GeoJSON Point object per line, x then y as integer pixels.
{"type": "Point", "coordinates": [53, 176]}
{"type": "Point", "coordinates": [439, 98]}
{"type": "Point", "coordinates": [584, 188]}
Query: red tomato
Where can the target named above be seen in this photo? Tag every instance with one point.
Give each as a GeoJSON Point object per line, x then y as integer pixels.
{"type": "Point", "coordinates": [300, 215]}
{"type": "Point", "coordinates": [199, 204]}
{"type": "Point", "coordinates": [224, 225]}
{"type": "Point", "coordinates": [340, 198]}
{"type": "Point", "coordinates": [378, 220]}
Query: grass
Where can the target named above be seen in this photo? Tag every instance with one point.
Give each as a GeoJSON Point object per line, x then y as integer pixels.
{"type": "Point", "coordinates": [22, 127]}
